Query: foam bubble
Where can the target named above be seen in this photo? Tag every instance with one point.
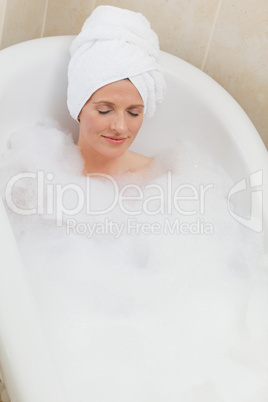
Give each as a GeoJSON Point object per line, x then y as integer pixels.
{"type": "Point", "coordinates": [156, 299]}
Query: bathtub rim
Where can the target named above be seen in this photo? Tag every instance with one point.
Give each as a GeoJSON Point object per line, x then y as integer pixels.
{"type": "Point", "coordinates": [253, 148]}
{"type": "Point", "coordinates": [207, 87]}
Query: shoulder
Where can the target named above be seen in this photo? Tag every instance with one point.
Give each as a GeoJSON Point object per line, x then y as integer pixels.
{"type": "Point", "coordinates": [137, 162]}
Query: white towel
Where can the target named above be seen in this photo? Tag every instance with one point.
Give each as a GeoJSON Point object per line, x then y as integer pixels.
{"type": "Point", "coordinates": [114, 44]}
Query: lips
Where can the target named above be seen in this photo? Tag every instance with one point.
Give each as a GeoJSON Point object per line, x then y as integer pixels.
{"type": "Point", "coordinates": [115, 140]}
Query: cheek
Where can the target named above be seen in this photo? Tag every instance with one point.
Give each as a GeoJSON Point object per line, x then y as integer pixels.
{"type": "Point", "coordinates": [94, 126]}
{"type": "Point", "coordinates": [136, 125]}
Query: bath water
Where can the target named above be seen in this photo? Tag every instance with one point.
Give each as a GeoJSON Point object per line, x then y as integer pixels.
{"type": "Point", "coordinates": [147, 288]}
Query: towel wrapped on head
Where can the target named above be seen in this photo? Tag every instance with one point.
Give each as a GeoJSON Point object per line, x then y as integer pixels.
{"type": "Point", "coordinates": [114, 44]}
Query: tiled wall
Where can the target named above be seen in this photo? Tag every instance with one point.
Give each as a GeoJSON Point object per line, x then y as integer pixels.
{"type": "Point", "coordinates": [228, 39]}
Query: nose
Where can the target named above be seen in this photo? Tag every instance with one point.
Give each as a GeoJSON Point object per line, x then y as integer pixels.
{"type": "Point", "coordinates": [119, 124]}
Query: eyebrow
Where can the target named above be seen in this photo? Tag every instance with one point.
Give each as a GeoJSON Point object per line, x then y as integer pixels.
{"type": "Point", "coordinates": [112, 104]}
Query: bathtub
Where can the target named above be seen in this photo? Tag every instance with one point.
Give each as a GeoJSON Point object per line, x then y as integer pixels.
{"type": "Point", "coordinates": [33, 86]}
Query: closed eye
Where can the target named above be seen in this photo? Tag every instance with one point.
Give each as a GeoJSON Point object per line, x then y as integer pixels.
{"type": "Point", "coordinates": [103, 112]}
{"type": "Point", "coordinates": [133, 114]}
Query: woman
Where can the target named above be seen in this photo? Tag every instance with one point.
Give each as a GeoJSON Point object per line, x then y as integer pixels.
{"type": "Point", "coordinates": [113, 81]}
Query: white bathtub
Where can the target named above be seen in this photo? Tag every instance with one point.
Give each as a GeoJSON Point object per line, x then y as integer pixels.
{"type": "Point", "coordinates": [33, 86]}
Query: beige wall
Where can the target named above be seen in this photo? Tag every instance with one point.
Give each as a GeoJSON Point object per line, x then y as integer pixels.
{"type": "Point", "coordinates": [228, 39]}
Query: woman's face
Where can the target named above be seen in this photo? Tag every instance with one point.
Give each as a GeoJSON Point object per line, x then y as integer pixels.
{"type": "Point", "coordinates": [111, 119]}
